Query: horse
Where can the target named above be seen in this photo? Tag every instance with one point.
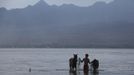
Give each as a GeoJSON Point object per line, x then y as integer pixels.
{"type": "Point", "coordinates": [95, 65]}
{"type": "Point", "coordinates": [73, 63]}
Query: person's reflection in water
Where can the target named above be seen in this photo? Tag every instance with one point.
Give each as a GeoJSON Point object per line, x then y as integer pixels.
{"type": "Point", "coordinates": [95, 73]}
{"type": "Point", "coordinates": [92, 73]}
{"type": "Point", "coordinates": [86, 73]}
{"type": "Point", "coordinates": [73, 73]}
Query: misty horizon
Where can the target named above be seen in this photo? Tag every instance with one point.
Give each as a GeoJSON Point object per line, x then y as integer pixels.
{"type": "Point", "coordinates": [42, 25]}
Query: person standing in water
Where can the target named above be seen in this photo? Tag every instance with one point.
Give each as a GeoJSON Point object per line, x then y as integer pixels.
{"type": "Point", "coordinates": [86, 61]}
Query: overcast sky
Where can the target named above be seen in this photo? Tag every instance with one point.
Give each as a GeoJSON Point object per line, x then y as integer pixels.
{"type": "Point", "coordinates": [9, 4]}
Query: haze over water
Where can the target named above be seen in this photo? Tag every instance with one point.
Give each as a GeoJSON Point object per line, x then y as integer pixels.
{"type": "Point", "coordinates": [55, 61]}
{"type": "Point", "coordinates": [42, 37]}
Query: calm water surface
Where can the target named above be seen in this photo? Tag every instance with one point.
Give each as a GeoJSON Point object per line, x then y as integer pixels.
{"type": "Point", "coordinates": [55, 61]}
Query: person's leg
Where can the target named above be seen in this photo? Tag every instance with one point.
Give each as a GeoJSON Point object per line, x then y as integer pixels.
{"type": "Point", "coordinates": [86, 68]}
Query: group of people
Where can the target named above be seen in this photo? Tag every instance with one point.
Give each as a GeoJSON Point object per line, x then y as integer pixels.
{"type": "Point", "coordinates": [74, 63]}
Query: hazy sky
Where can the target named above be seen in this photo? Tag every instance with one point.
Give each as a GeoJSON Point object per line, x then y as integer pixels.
{"type": "Point", "coordinates": [23, 3]}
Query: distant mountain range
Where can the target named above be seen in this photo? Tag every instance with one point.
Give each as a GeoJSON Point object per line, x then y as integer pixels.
{"type": "Point", "coordinates": [41, 25]}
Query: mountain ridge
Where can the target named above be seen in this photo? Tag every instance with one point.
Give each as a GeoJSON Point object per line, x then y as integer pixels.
{"type": "Point", "coordinates": [41, 25]}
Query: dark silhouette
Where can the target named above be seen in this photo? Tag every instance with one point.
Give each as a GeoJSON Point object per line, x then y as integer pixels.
{"type": "Point", "coordinates": [70, 63]}
{"type": "Point", "coordinates": [73, 63]}
{"type": "Point", "coordinates": [86, 61]}
{"type": "Point", "coordinates": [95, 65]}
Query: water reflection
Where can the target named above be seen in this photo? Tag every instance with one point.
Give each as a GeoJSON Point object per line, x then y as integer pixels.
{"type": "Point", "coordinates": [95, 73]}
{"type": "Point", "coordinates": [79, 73]}
{"type": "Point", "coordinates": [73, 73]}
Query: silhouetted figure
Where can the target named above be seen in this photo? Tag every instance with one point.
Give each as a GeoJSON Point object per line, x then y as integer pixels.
{"type": "Point", "coordinates": [73, 63]}
{"type": "Point", "coordinates": [95, 65]}
{"type": "Point", "coordinates": [86, 61]}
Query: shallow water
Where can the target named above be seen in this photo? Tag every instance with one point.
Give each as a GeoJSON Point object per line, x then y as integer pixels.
{"type": "Point", "coordinates": [55, 61]}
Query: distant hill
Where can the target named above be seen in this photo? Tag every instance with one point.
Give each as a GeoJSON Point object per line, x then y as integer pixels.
{"type": "Point", "coordinates": [41, 25]}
